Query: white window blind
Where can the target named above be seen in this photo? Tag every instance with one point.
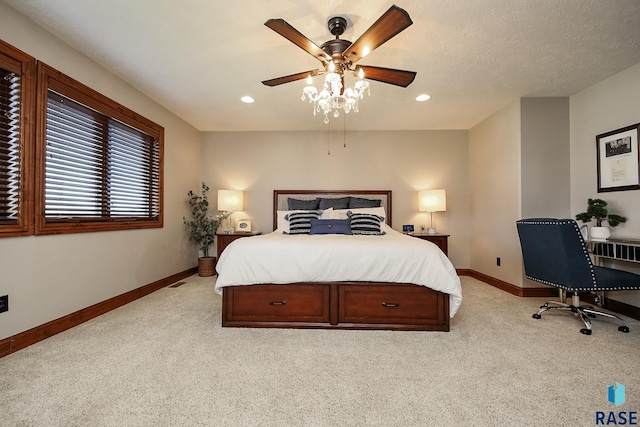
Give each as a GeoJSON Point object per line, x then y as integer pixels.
{"type": "Point", "coordinates": [98, 168]}
{"type": "Point", "coordinates": [10, 148]}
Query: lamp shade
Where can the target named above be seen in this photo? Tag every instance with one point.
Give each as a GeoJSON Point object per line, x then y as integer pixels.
{"type": "Point", "coordinates": [432, 201]}
{"type": "Point", "coordinates": [229, 200]}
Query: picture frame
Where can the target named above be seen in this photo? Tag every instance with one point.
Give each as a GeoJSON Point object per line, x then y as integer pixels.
{"type": "Point", "coordinates": [243, 226]}
{"type": "Point", "coordinates": [618, 160]}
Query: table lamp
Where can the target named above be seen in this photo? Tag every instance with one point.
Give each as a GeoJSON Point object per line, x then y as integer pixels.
{"type": "Point", "coordinates": [229, 201]}
{"type": "Point", "coordinates": [432, 201]}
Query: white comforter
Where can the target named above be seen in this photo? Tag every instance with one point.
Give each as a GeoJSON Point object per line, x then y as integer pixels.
{"type": "Point", "coordinates": [394, 257]}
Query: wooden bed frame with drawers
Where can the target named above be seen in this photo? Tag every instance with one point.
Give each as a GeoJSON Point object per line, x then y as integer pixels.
{"type": "Point", "coordinates": [335, 305]}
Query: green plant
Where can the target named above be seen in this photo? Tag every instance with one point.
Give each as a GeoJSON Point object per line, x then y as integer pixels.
{"type": "Point", "coordinates": [202, 228]}
{"type": "Point", "coordinates": [597, 209]}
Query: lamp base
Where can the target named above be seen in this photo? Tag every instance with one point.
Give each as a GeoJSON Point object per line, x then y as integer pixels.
{"type": "Point", "coordinates": [229, 229]}
{"type": "Point", "coordinates": [431, 230]}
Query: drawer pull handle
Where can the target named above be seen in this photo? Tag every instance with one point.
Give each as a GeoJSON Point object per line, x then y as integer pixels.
{"type": "Point", "coordinates": [277, 303]}
{"type": "Point", "coordinates": [388, 304]}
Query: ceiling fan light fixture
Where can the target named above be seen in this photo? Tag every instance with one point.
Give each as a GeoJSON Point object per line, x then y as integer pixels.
{"type": "Point", "coordinates": [334, 97]}
{"type": "Point", "coordinates": [339, 56]}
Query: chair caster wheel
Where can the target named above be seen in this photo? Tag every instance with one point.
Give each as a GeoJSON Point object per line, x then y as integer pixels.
{"type": "Point", "coordinates": [624, 329]}
{"type": "Point", "coordinates": [585, 331]}
{"type": "Point", "coordinates": [537, 316]}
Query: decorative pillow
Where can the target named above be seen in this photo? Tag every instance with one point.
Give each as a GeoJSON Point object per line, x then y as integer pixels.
{"type": "Point", "coordinates": [358, 202]}
{"type": "Point", "coordinates": [342, 213]}
{"type": "Point", "coordinates": [300, 222]}
{"type": "Point", "coordinates": [362, 223]}
{"type": "Point", "coordinates": [330, 226]}
{"type": "Point", "coordinates": [297, 204]}
{"type": "Point", "coordinates": [282, 224]}
{"type": "Point", "coordinates": [335, 203]}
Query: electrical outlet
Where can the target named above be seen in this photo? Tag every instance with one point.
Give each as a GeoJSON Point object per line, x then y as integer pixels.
{"type": "Point", "coordinates": [498, 261]}
{"type": "Point", "coordinates": [4, 303]}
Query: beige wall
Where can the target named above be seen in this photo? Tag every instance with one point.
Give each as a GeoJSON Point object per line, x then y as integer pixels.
{"type": "Point", "coordinates": [542, 158]}
{"type": "Point", "coordinates": [611, 104]}
{"type": "Point", "coordinates": [404, 162]}
{"type": "Point", "coordinates": [494, 175]}
{"type": "Point", "coordinates": [47, 277]}
{"type": "Point", "coordinates": [545, 177]}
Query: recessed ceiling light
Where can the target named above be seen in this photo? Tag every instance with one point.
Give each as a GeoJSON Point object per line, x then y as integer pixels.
{"type": "Point", "coordinates": [247, 99]}
{"type": "Point", "coordinates": [423, 97]}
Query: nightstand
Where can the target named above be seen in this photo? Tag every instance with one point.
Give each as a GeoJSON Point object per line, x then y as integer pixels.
{"type": "Point", "coordinates": [441, 240]}
{"type": "Point", "coordinates": [224, 239]}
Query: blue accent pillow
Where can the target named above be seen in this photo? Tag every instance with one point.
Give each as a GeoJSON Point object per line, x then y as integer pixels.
{"type": "Point", "coordinates": [300, 222]}
{"type": "Point", "coordinates": [302, 205]}
{"type": "Point", "coordinates": [369, 224]}
{"type": "Point", "coordinates": [330, 226]}
{"type": "Point", "coordinates": [335, 203]}
{"type": "Point", "coordinates": [358, 203]}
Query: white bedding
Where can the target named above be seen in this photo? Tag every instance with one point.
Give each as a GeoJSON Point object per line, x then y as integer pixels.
{"type": "Point", "coordinates": [394, 257]}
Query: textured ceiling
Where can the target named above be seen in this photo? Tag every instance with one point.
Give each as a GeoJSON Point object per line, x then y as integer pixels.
{"type": "Point", "coordinates": [197, 57]}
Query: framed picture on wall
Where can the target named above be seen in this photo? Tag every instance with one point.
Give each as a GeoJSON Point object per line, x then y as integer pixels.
{"type": "Point", "coordinates": [618, 160]}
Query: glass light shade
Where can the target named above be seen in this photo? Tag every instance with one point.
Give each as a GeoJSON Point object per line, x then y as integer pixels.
{"type": "Point", "coordinates": [309, 92]}
{"type": "Point", "coordinates": [432, 201]}
{"type": "Point", "coordinates": [332, 98]}
{"type": "Point", "coordinates": [229, 200]}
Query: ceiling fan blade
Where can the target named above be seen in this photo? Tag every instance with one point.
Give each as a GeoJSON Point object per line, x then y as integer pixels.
{"type": "Point", "coordinates": [388, 75]}
{"type": "Point", "coordinates": [291, 78]}
{"type": "Point", "coordinates": [283, 28]}
{"type": "Point", "coordinates": [388, 25]}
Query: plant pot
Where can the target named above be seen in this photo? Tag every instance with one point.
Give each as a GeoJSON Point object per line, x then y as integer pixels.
{"type": "Point", "coordinates": [599, 233]}
{"type": "Point", "coordinates": [206, 266]}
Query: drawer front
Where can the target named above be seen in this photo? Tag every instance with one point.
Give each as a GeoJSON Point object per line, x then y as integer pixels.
{"type": "Point", "coordinates": [392, 304]}
{"type": "Point", "coordinates": [277, 303]}
{"type": "Point", "coordinates": [224, 240]}
{"type": "Point", "coordinates": [441, 242]}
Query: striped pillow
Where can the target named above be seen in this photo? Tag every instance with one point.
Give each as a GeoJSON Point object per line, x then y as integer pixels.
{"type": "Point", "coordinates": [300, 222]}
{"type": "Point", "coordinates": [369, 224]}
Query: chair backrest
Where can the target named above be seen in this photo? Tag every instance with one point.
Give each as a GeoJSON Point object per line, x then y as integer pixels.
{"type": "Point", "coordinates": [555, 253]}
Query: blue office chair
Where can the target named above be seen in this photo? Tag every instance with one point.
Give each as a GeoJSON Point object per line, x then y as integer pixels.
{"type": "Point", "coordinates": [555, 253]}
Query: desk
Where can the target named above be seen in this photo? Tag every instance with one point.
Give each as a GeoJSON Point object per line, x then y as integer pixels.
{"type": "Point", "coordinates": [616, 249]}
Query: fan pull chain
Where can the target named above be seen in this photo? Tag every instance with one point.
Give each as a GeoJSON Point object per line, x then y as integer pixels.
{"type": "Point", "coordinates": [344, 132]}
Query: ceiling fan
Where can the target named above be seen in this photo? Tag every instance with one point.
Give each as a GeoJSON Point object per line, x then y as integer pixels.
{"type": "Point", "coordinates": [342, 55]}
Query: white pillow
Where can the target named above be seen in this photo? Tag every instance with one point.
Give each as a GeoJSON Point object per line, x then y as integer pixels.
{"type": "Point", "coordinates": [283, 224]}
{"type": "Point", "coordinates": [342, 213]}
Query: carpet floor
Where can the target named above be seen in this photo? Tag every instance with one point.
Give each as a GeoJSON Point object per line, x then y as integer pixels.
{"type": "Point", "coordinates": [164, 360]}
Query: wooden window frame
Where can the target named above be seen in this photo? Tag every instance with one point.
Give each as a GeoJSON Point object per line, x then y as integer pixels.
{"type": "Point", "coordinates": [24, 64]}
{"type": "Point", "coordinates": [49, 78]}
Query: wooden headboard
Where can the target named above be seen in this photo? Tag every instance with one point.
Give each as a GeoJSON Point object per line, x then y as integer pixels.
{"type": "Point", "coordinates": [280, 199]}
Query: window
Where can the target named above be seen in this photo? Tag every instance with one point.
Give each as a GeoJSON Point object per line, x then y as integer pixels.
{"type": "Point", "coordinates": [17, 81]}
{"type": "Point", "coordinates": [99, 165]}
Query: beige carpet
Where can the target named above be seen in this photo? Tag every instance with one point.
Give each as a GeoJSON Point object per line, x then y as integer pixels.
{"type": "Point", "coordinates": [164, 360]}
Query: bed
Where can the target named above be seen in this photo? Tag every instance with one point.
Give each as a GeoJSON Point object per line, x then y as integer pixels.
{"type": "Point", "coordinates": [378, 279]}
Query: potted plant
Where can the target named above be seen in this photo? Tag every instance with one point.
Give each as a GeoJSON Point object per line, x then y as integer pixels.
{"type": "Point", "coordinates": [597, 209]}
{"type": "Point", "coordinates": [202, 229]}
